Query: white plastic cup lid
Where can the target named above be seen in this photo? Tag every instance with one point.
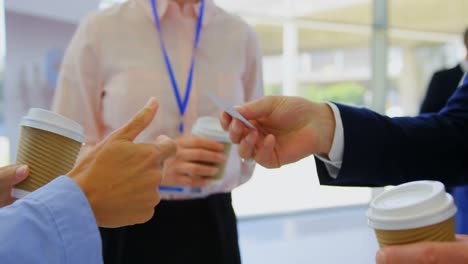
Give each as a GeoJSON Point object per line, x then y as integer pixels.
{"type": "Point", "coordinates": [411, 205]}
{"type": "Point", "coordinates": [53, 122]}
{"type": "Point", "coordinates": [210, 127]}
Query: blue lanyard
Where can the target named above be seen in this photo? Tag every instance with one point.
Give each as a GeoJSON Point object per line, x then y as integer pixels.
{"type": "Point", "coordinates": [182, 104]}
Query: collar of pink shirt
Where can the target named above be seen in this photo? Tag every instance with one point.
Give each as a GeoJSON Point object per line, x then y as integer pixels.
{"type": "Point", "coordinates": [163, 5]}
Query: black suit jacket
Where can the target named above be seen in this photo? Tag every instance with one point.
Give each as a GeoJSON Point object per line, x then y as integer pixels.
{"type": "Point", "coordinates": [380, 150]}
{"type": "Point", "coordinates": [443, 84]}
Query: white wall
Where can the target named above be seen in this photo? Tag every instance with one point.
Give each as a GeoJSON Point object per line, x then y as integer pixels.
{"type": "Point", "coordinates": [28, 41]}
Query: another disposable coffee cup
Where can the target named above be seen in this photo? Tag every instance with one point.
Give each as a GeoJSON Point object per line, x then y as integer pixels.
{"type": "Point", "coordinates": [209, 127]}
{"type": "Point", "coordinates": [413, 212]}
{"type": "Point", "coordinates": [49, 145]}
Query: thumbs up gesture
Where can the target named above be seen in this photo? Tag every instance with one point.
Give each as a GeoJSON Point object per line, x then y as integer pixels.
{"type": "Point", "coordinates": [121, 178]}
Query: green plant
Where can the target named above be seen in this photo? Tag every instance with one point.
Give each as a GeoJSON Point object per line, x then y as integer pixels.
{"type": "Point", "coordinates": [272, 89]}
{"type": "Point", "coordinates": [345, 92]}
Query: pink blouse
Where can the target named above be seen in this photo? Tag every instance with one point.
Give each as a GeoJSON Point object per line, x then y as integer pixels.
{"type": "Point", "coordinates": [114, 64]}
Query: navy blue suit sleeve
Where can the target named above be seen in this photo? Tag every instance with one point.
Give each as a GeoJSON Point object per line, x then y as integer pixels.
{"type": "Point", "coordinates": [387, 151]}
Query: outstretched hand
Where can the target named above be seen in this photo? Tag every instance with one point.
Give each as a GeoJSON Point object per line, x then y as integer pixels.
{"type": "Point", "coordinates": [287, 130]}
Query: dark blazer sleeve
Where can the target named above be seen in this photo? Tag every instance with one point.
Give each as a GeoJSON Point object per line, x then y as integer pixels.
{"type": "Point", "coordinates": [434, 100]}
{"type": "Point", "coordinates": [441, 87]}
{"type": "Point", "coordinates": [387, 151]}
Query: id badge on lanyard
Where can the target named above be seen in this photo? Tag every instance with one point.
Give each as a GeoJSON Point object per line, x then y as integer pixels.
{"type": "Point", "coordinates": [182, 102]}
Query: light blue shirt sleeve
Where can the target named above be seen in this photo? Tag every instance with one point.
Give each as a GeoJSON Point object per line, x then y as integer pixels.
{"type": "Point", "coordinates": [53, 225]}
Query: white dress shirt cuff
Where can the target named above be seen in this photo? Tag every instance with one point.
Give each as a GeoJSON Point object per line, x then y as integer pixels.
{"type": "Point", "coordinates": [335, 157]}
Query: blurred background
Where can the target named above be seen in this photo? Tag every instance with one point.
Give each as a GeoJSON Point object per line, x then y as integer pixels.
{"type": "Point", "coordinates": [373, 53]}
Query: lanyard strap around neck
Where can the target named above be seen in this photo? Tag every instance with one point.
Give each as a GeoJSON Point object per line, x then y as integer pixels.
{"type": "Point", "coordinates": [181, 102]}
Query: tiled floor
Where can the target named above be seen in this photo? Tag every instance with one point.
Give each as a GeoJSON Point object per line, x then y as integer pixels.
{"type": "Point", "coordinates": [329, 236]}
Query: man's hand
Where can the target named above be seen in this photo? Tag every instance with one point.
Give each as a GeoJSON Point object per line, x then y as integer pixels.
{"type": "Point", "coordinates": [195, 162]}
{"type": "Point", "coordinates": [288, 129]}
{"type": "Point", "coordinates": [121, 178]}
{"type": "Point", "coordinates": [10, 176]}
{"type": "Point", "coordinates": [426, 253]}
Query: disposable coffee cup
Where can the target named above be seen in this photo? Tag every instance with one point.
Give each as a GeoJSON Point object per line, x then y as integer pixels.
{"type": "Point", "coordinates": [209, 127]}
{"type": "Point", "coordinates": [413, 212]}
{"type": "Point", "coordinates": [49, 144]}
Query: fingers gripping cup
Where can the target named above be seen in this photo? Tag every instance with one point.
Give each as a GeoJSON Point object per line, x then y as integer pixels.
{"type": "Point", "coordinates": [209, 127]}
{"type": "Point", "coordinates": [413, 212]}
{"type": "Point", "coordinates": [49, 145]}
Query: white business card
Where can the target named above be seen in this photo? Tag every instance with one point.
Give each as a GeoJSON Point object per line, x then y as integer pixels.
{"type": "Point", "coordinates": [229, 109]}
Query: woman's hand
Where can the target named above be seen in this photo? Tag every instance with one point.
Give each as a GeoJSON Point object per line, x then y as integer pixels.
{"type": "Point", "coordinates": [196, 162]}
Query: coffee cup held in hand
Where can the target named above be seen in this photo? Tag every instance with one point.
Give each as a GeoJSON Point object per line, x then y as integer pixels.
{"type": "Point", "coordinates": [210, 128]}
{"type": "Point", "coordinates": [49, 145]}
{"type": "Point", "coordinates": [413, 212]}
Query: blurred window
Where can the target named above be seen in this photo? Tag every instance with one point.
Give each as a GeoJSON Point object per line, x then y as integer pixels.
{"type": "Point", "coordinates": [4, 142]}
{"type": "Point", "coordinates": [333, 63]}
